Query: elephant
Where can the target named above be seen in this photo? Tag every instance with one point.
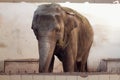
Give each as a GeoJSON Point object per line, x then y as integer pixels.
{"type": "Point", "coordinates": [62, 32]}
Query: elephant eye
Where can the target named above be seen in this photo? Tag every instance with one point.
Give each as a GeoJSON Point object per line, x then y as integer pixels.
{"type": "Point", "coordinates": [58, 18]}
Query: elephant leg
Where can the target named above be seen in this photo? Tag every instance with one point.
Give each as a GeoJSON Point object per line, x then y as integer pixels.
{"type": "Point", "coordinates": [84, 60]}
{"type": "Point", "coordinates": [83, 67]}
{"type": "Point", "coordinates": [51, 64]}
{"type": "Point", "coordinates": [68, 63]}
{"type": "Point", "coordinates": [78, 66]}
{"type": "Point", "coordinates": [75, 67]}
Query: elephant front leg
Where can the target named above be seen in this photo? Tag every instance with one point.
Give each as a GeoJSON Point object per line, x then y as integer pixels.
{"type": "Point", "coordinates": [68, 62]}
{"type": "Point", "coordinates": [51, 64]}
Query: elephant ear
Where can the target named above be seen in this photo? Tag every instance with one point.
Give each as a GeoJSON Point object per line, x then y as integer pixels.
{"type": "Point", "coordinates": [70, 24]}
{"type": "Point", "coordinates": [34, 27]}
{"type": "Point", "coordinates": [71, 21]}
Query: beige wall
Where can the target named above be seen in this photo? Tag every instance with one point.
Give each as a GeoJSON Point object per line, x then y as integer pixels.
{"type": "Point", "coordinates": [17, 40]}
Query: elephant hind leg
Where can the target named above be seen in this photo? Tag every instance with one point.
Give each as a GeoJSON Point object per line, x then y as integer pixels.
{"type": "Point", "coordinates": [78, 66]}
{"type": "Point", "coordinates": [82, 64]}
{"type": "Point", "coordinates": [83, 67]}
{"type": "Point", "coordinates": [51, 64]}
{"type": "Point", "coordinates": [84, 61]}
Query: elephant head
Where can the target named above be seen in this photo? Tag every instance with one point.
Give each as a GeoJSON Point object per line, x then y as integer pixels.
{"type": "Point", "coordinates": [48, 27]}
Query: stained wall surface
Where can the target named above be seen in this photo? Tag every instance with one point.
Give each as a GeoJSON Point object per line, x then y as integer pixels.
{"type": "Point", "coordinates": [17, 40]}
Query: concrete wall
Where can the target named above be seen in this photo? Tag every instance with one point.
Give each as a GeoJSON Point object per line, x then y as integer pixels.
{"type": "Point", "coordinates": [60, 77]}
{"type": "Point", "coordinates": [17, 40]}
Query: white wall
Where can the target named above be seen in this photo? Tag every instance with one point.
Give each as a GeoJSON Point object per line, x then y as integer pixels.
{"type": "Point", "coordinates": [16, 37]}
{"type": "Point", "coordinates": [17, 41]}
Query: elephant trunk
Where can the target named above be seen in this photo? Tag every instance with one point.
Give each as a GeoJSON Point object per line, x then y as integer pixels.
{"type": "Point", "coordinates": [46, 48]}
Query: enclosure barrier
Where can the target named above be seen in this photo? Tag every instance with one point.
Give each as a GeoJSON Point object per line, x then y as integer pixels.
{"type": "Point", "coordinates": [62, 76]}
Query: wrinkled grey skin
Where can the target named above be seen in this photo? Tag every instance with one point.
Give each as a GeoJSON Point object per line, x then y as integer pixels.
{"type": "Point", "coordinates": [60, 33]}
